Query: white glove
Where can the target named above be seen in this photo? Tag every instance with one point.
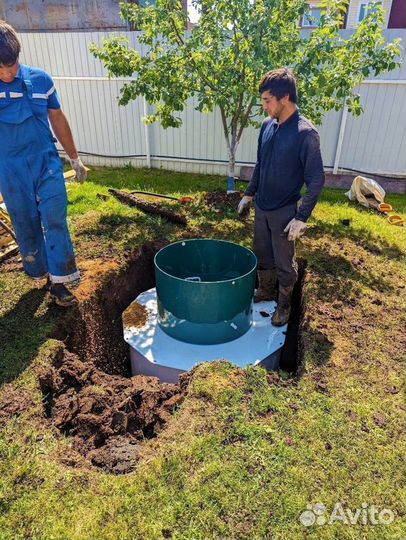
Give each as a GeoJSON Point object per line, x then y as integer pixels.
{"type": "Point", "coordinates": [80, 169]}
{"type": "Point", "coordinates": [295, 228]}
{"type": "Point", "coordinates": [244, 204]}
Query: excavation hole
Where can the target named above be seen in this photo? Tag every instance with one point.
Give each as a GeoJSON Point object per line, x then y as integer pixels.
{"type": "Point", "coordinates": [88, 391]}
{"type": "Point", "coordinates": [292, 353]}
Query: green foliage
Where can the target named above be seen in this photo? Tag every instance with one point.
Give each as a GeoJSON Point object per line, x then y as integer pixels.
{"type": "Point", "coordinates": [235, 42]}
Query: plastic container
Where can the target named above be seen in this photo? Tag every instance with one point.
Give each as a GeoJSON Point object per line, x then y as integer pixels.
{"type": "Point", "coordinates": [205, 290]}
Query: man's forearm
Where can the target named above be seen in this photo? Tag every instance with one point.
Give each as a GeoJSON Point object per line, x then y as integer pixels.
{"type": "Point", "coordinates": [313, 175]}
{"type": "Point", "coordinates": [310, 199]}
{"type": "Point", "coordinates": [63, 133]}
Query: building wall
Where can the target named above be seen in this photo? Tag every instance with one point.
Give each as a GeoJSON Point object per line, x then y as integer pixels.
{"type": "Point", "coordinates": [397, 17]}
{"type": "Point", "coordinates": [57, 15]}
{"type": "Point", "coordinates": [354, 8]}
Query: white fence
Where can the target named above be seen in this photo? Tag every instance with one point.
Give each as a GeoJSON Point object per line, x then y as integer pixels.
{"type": "Point", "coordinates": [108, 134]}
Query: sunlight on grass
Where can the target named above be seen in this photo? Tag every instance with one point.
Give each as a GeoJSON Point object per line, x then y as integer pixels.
{"type": "Point", "coordinates": [245, 452]}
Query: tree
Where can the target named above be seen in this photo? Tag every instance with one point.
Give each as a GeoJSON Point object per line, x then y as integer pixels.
{"type": "Point", "coordinates": [221, 61]}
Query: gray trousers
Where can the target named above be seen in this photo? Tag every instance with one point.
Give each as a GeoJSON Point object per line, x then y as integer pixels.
{"type": "Point", "coordinates": [271, 245]}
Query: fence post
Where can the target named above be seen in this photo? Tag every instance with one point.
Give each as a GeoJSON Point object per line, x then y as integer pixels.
{"type": "Point", "coordinates": [146, 133]}
{"type": "Point", "coordinates": [340, 139]}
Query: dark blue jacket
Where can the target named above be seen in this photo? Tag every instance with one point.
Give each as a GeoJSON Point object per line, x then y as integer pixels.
{"type": "Point", "coordinates": [288, 157]}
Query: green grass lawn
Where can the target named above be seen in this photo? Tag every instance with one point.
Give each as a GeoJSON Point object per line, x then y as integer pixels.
{"type": "Point", "coordinates": [245, 453]}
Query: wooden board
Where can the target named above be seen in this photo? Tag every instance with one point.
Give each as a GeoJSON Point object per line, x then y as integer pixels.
{"type": "Point", "coordinates": [70, 175]}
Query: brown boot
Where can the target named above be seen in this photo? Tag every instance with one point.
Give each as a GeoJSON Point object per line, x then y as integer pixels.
{"type": "Point", "coordinates": [267, 286]}
{"type": "Point", "coordinates": [282, 312]}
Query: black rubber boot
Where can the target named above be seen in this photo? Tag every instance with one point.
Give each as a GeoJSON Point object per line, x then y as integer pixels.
{"type": "Point", "coordinates": [282, 312]}
{"type": "Point", "coordinates": [61, 295]}
{"type": "Point", "coordinates": [267, 286]}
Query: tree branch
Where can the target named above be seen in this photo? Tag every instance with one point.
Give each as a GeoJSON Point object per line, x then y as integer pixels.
{"type": "Point", "coordinates": [225, 128]}
{"type": "Point", "coordinates": [182, 42]}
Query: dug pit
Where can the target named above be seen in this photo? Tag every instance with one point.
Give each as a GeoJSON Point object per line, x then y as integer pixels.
{"type": "Point", "coordinates": [88, 390]}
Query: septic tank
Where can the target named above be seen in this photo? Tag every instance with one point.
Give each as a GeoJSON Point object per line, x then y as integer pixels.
{"type": "Point", "coordinates": [201, 310]}
{"type": "Point", "coordinates": [205, 290]}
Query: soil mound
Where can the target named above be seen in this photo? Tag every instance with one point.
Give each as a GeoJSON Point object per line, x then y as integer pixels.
{"type": "Point", "coordinates": [107, 416]}
{"type": "Point", "coordinates": [220, 200]}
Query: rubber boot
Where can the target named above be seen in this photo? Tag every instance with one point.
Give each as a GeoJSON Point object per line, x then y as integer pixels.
{"type": "Point", "coordinates": [61, 295]}
{"type": "Point", "coordinates": [282, 312]}
{"type": "Point", "coordinates": [267, 286]}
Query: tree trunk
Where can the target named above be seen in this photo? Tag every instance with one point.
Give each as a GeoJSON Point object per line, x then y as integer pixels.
{"type": "Point", "coordinates": [231, 170]}
{"type": "Point", "coordinates": [232, 150]}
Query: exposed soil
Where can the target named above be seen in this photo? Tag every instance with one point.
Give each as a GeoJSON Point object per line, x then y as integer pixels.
{"type": "Point", "coordinates": [89, 394]}
{"type": "Point", "coordinates": [94, 273]}
{"type": "Point", "coordinates": [94, 330]}
{"type": "Point", "coordinates": [88, 391]}
{"type": "Point", "coordinates": [107, 416]}
{"type": "Point", "coordinates": [220, 200]}
{"type": "Point", "coordinates": [13, 402]}
{"type": "Point", "coordinates": [135, 316]}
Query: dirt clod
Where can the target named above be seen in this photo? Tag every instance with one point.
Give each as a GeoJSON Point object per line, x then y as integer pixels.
{"type": "Point", "coordinates": [220, 200]}
{"type": "Point", "coordinates": [380, 419]}
{"type": "Point", "coordinates": [13, 403]}
{"type": "Point", "coordinates": [88, 392]}
{"type": "Point", "coordinates": [135, 316]}
{"type": "Point", "coordinates": [106, 415]}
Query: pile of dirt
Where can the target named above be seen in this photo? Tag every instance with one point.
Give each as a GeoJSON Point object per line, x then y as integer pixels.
{"type": "Point", "coordinates": [107, 416]}
{"type": "Point", "coordinates": [88, 392]}
{"type": "Point", "coordinates": [135, 316]}
{"type": "Point", "coordinates": [220, 200]}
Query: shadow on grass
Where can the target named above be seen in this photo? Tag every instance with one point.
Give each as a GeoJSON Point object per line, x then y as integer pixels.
{"type": "Point", "coordinates": [127, 231]}
{"type": "Point", "coordinates": [22, 333]}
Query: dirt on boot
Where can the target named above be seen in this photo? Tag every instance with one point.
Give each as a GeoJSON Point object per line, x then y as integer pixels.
{"type": "Point", "coordinates": [267, 290]}
{"type": "Point", "coordinates": [282, 312]}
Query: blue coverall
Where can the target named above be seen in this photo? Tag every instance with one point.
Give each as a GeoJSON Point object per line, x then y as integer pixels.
{"type": "Point", "coordinates": [31, 176]}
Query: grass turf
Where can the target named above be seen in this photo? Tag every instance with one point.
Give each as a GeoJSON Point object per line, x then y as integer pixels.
{"type": "Point", "coordinates": [245, 454]}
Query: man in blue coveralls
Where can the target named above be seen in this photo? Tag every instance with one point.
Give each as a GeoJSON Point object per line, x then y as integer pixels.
{"type": "Point", "coordinates": [31, 173]}
{"type": "Point", "coordinates": [288, 157]}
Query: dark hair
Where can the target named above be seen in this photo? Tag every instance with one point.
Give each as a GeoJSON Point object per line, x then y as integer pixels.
{"type": "Point", "coordinates": [279, 83]}
{"type": "Point", "coordinates": [10, 45]}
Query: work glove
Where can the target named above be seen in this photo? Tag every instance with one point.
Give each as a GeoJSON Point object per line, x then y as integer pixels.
{"type": "Point", "coordinates": [244, 204]}
{"type": "Point", "coordinates": [80, 169]}
{"type": "Point", "coordinates": [295, 228]}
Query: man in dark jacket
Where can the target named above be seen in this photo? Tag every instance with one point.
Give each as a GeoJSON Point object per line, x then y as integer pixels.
{"type": "Point", "coordinates": [288, 157]}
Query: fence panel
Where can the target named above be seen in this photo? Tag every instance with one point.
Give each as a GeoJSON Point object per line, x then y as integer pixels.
{"type": "Point", "coordinates": [112, 135]}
